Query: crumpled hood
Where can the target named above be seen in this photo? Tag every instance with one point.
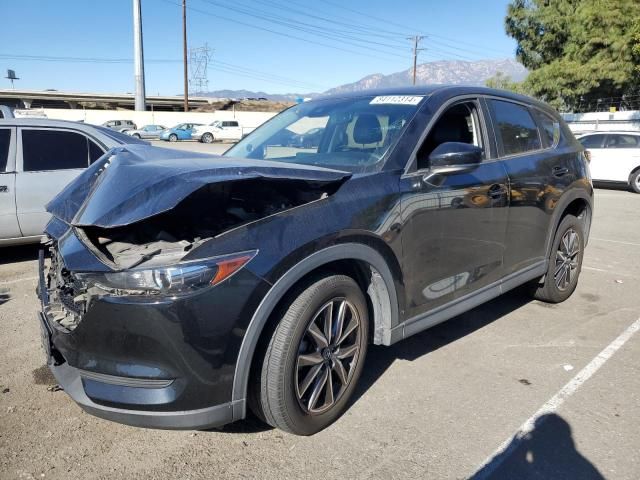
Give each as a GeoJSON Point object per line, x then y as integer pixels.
{"type": "Point", "coordinates": [134, 182]}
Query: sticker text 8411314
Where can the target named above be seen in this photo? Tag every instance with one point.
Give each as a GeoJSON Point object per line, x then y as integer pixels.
{"type": "Point", "coordinates": [396, 100]}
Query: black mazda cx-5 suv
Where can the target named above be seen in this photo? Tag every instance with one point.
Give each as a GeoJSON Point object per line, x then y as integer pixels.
{"type": "Point", "coordinates": [179, 289]}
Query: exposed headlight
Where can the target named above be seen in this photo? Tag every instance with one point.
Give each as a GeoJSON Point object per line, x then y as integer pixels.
{"type": "Point", "coordinates": [176, 279]}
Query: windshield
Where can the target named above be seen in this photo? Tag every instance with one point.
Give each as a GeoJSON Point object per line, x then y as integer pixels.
{"type": "Point", "coordinates": [348, 133]}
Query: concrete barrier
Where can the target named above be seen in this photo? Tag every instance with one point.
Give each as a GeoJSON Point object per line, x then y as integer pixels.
{"type": "Point", "coordinates": [247, 120]}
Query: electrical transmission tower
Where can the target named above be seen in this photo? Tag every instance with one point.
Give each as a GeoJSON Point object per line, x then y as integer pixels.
{"type": "Point", "coordinates": [199, 59]}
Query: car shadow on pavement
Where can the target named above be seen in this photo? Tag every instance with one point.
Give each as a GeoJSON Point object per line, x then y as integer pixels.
{"type": "Point", "coordinates": [21, 253]}
{"type": "Point", "coordinates": [548, 452]}
{"type": "Point", "coordinates": [380, 358]}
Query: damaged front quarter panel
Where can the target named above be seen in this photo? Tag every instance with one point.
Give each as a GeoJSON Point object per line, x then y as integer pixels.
{"type": "Point", "coordinates": [151, 206]}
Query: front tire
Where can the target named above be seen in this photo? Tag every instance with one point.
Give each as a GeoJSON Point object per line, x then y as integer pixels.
{"type": "Point", "coordinates": [207, 138]}
{"type": "Point", "coordinates": [634, 181]}
{"type": "Point", "coordinates": [565, 263]}
{"type": "Point", "coordinates": [173, 137]}
{"type": "Point", "coordinates": [137, 135]}
{"type": "Point", "coordinates": [315, 356]}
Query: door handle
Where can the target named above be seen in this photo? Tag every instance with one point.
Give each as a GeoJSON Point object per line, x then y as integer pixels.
{"type": "Point", "coordinates": [559, 171]}
{"type": "Point", "coordinates": [496, 191]}
{"type": "Point", "coordinates": [4, 188]}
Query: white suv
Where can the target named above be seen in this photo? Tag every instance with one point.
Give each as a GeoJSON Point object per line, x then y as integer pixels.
{"type": "Point", "coordinates": [615, 157]}
{"type": "Point", "coordinates": [218, 130]}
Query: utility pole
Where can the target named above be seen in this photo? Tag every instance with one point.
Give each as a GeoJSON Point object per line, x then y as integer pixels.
{"type": "Point", "coordinates": [184, 55]}
{"type": "Point", "coordinates": [416, 40]}
{"type": "Point", "coordinates": [138, 56]}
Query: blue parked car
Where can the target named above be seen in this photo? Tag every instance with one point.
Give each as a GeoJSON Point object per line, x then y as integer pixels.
{"type": "Point", "coordinates": [182, 131]}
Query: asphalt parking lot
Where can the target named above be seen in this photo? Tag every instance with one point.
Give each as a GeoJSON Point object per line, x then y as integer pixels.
{"type": "Point", "coordinates": [443, 404]}
{"type": "Point", "coordinates": [217, 148]}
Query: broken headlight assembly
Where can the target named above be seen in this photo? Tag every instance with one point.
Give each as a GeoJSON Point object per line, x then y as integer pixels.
{"type": "Point", "coordinates": [175, 279]}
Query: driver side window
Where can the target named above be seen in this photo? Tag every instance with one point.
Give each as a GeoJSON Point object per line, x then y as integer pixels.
{"type": "Point", "coordinates": [459, 123]}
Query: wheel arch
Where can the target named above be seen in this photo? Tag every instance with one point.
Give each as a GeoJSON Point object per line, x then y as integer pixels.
{"type": "Point", "coordinates": [578, 204]}
{"type": "Point", "coordinates": [364, 262]}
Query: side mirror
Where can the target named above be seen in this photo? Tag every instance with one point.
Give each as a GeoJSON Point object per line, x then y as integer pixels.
{"type": "Point", "coordinates": [452, 157]}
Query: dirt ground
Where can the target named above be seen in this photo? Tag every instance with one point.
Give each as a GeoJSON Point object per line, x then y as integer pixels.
{"type": "Point", "coordinates": [437, 405]}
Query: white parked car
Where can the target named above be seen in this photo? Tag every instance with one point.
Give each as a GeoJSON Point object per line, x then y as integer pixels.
{"type": "Point", "coordinates": [217, 131]}
{"type": "Point", "coordinates": [615, 157]}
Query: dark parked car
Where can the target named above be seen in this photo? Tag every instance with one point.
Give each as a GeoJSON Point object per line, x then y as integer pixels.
{"type": "Point", "coordinates": [184, 289]}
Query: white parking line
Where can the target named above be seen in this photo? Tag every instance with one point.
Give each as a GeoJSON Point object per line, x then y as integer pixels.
{"type": "Point", "coordinates": [8, 282]}
{"type": "Point", "coordinates": [611, 272]}
{"type": "Point", "coordinates": [502, 453]}
{"type": "Point", "coordinates": [615, 241]}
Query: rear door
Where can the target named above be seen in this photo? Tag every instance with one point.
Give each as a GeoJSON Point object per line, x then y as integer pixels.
{"type": "Point", "coordinates": [8, 220]}
{"type": "Point", "coordinates": [538, 174]}
{"type": "Point", "coordinates": [598, 165]}
{"type": "Point", "coordinates": [47, 160]}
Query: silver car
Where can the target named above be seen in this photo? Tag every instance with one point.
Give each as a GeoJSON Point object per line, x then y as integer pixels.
{"type": "Point", "coordinates": [38, 157]}
{"type": "Point", "coordinates": [148, 131]}
{"type": "Point", "coordinates": [120, 125]}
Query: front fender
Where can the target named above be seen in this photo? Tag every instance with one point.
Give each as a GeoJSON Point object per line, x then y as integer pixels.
{"type": "Point", "coordinates": [345, 251]}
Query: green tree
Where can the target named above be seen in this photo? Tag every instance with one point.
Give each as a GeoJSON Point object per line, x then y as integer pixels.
{"type": "Point", "coordinates": [503, 82]}
{"type": "Point", "coordinates": [577, 51]}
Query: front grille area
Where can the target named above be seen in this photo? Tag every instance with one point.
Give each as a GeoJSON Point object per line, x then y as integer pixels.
{"type": "Point", "coordinates": [66, 295]}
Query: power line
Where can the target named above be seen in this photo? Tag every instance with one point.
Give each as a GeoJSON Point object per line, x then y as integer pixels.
{"type": "Point", "coordinates": [354, 28]}
{"type": "Point", "coordinates": [393, 38]}
{"type": "Point", "coordinates": [405, 27]}
{"type": "Point", "coordinates": [283, 34]}
{"type": "Point", "coordinates": [307, 28]}
{"type": "Point", "coordinates": [226, 67]}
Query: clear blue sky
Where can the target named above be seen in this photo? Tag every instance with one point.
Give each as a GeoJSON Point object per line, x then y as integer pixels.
{"type": "Point", "coordinates": [246, 55]}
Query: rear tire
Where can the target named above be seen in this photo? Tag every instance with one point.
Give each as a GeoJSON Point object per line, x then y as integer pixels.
{"type": "Point", "coordinates": [315, 356]}
{"type": "Point", "coordinates": [634, 181]}
{"type": "Point", "coordinates": [565, 263]}
{"type": "Point", "coordinates": [137, 135]}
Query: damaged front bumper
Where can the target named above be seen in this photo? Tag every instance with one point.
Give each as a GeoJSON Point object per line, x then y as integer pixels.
{"type": "Point", "coordinates": [153, 362]}
{"type": "Point", "coordinates": [74, 382]}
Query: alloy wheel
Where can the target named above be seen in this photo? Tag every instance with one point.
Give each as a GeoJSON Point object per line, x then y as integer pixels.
{"type": "Point", "coordinates": [567, 259]}
{"type": "Point", "coordinates": [327, 356]}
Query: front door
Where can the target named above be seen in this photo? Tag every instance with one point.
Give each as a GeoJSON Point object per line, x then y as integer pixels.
{"type": "Point", "coordinates": [48, 159]}
{"type": "Point", "coordinates": [454, 239]}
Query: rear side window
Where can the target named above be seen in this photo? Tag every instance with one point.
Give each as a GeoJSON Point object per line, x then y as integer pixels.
{"type": "Point", "coordinates": [549, 128]}
{"type": "Point", "coordinates": [622, 141]}
{"type": "Point", "coordinates": [516, 130]}
{"type": "Point", "coordinates": [592, 141]}
{"type": "Point", "coordinates": [53, 150]}
{"type": "Point", "coordinates": [5, 140]}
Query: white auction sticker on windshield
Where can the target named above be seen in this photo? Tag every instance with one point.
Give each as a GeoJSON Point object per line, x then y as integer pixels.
{"type": "Point", "coordinates": [396, 100]}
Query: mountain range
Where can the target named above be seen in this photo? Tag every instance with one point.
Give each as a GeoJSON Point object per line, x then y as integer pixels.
{"type": "Point", "coordinates": [440, 72]}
